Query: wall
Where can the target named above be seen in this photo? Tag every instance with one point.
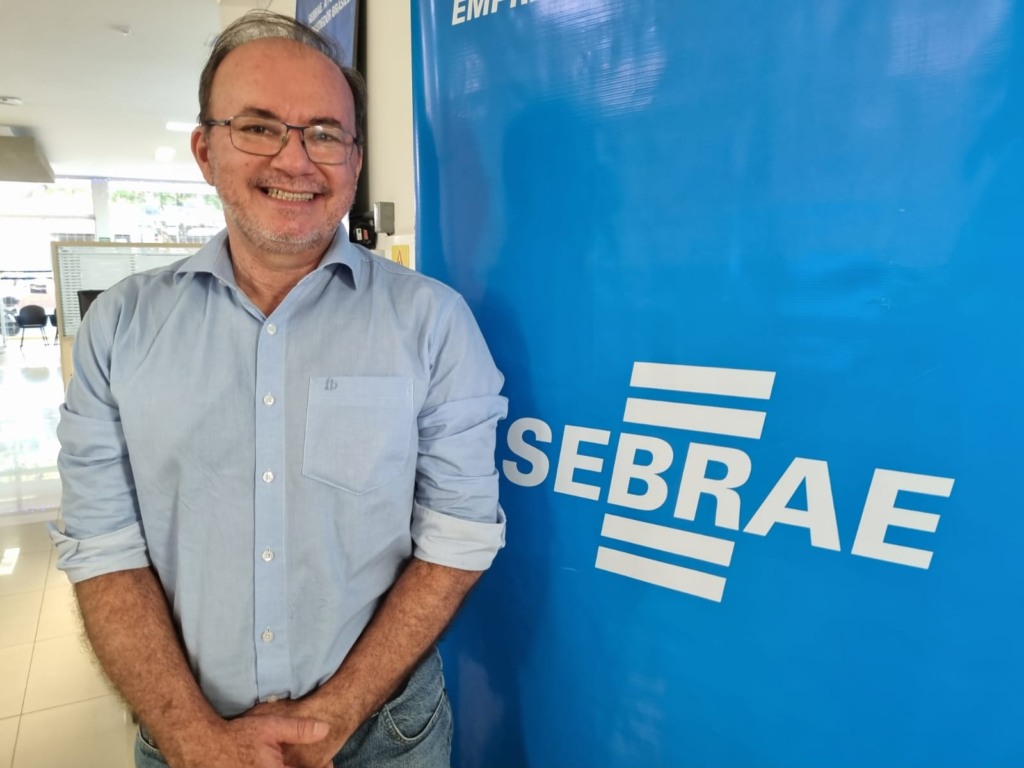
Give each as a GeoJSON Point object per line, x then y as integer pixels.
{"type": "Point", "coordinates": [389, 79]}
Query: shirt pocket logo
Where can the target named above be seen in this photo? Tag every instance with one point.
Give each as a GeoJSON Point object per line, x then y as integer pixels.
{"type": "Point", "coordinates": [358, 430]}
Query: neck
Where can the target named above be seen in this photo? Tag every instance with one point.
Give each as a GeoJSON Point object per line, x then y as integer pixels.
{"type": "Point", "coordinates": [267, 278]}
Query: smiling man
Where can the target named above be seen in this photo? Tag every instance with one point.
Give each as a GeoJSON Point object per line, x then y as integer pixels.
{"type": "Point", "coordinates": [278, 454]}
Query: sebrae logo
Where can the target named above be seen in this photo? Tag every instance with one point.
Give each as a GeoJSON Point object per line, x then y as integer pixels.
{"type": "Point", "coordinates": [638, 481]}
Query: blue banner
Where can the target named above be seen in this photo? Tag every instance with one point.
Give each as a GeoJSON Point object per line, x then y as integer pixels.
{"type": "Point", "coordinates": [752, 271]}
{"type": "Point", "coordinates": [334, 18]}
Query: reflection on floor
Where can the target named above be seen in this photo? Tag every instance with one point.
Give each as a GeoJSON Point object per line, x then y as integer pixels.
{"type": "Point", "coordinates": [56, 708]}
{"type": "Point", "coordinates": [31, 391]}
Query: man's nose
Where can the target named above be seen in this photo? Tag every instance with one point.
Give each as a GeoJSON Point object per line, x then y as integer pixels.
{"type": "Point", "coordinates": [293, 152]}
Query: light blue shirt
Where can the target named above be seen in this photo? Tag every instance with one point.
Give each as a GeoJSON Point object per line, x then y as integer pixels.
{"type": "Point", "coordinates": [278, 472]}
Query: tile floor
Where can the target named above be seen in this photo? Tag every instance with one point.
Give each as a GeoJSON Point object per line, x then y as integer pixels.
{"type": "Point", "coordinates": [56, 708]}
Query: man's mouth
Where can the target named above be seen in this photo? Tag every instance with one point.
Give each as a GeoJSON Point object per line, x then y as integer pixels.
{"type": "Point", "coordinates": [295, 197]}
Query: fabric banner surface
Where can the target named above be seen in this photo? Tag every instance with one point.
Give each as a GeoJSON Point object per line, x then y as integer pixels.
{"type": "Point", "coordinates": [334, 18]}
{"type": "Point", "coordinates": [752, 272]}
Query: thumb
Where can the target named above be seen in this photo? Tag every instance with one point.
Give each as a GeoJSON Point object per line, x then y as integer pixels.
{"type": "Point", "coordinates": [297, 730]}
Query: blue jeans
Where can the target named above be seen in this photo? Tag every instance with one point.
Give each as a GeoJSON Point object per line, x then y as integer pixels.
{"type": "Point", "coordinates": [413, 730]}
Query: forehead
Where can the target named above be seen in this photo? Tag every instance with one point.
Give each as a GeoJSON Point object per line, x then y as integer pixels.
{"type": "Point", "coordinates": [282, 76]}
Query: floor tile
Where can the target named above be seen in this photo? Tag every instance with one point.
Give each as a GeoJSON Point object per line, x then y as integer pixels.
{"type": "Point", "coordinates": [63, 671]}
{"type": "Point", "coordinates": [54, 574]}
{"type": "Point", "coordinates": [55, 577]}
{"type": "Point", "coordinates": [89, 734]}
{"type": "Point", "coordinates": [14, 667]}
{"type": "Point", "coordinates": [58, 615]}
{"type": "Point", "coordinates": [19, 616]}
{"type": "Point", "coordinates": [8, 734]}
{"type": "Point", "coordinates": [31, 537]}
{"type": "Point", "coordinates": [29, 574]}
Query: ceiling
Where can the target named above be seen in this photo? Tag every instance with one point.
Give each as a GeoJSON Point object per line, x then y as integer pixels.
{"type": "Point", "coordinates": [100, 79]}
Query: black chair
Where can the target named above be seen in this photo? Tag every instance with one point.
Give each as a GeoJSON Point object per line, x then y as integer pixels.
{"type": "Point", "coordinates": [53, 322]}
{"type": "Point", "coordinates": [32, 316]}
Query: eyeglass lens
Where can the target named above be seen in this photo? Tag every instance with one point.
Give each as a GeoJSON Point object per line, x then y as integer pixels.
{"type": "Point", "coordinates": [326, 144]}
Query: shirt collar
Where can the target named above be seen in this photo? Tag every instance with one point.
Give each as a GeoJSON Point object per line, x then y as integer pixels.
{"type": "Point", "coordinates": [215, 259]}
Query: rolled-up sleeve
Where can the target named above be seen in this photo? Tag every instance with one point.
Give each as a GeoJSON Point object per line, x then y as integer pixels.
{"type": "Point", "coordinates": [457, 520]}
{"type": "Point", "coordinates": [446, 540]}
{"type": "Point", "coordinates": [99, 507]}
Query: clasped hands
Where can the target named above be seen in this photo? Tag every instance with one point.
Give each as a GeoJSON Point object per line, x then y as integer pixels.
{"type": "Point", "coordinates": [282, 734]}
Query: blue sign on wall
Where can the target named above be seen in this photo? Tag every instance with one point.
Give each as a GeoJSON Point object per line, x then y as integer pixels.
{"type": "Point", "coordinates": [334, 18]}
{"type": "Point", "coordinates": [752, 271]}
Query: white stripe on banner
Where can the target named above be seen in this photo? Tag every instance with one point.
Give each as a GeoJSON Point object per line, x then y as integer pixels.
{"type": "Point", "coordinates": [661, 574]}
{"type": "Point", "coordinates": [732, 382]}
{"type": "Point", "coordinates": [712, 419]}
{"type": "Point", "coordinates": [665, 539]}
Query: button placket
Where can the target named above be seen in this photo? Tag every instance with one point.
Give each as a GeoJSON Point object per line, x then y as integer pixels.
{"type": "Point", "coordinates": [273, 669]}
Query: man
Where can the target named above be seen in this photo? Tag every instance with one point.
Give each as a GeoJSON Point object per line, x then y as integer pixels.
{"type": "Point", "coordinates": [278, 454]}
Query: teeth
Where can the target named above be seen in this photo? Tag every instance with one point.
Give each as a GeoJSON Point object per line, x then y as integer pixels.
{"type": "Point", "coordinates": [280, 194]}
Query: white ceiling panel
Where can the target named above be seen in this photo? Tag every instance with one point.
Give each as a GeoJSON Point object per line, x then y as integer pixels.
{"type": "Point", "coordinates": [100, 79]}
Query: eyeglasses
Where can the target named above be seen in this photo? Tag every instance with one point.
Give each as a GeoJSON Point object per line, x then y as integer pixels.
{"type": "Point", "coordinates": [325, 144]}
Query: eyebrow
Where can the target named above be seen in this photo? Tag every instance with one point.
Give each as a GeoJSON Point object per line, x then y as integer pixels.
{"type": "Point", "coordinates": [270, 115]}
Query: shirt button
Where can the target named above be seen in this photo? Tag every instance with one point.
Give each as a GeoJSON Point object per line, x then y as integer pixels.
{"type": "Point", "coordinates": [272, 699]}
{"type": "Point", "coordinates": [267, 555]}
{"type": "Point", "coordinates": [268, 477]}
{"type": "Point", "coordinates": [267, 636]}
{"type": "Point", "coordinates": [268, 399]}
{"type": "Point", "coordinates": [271, 329]}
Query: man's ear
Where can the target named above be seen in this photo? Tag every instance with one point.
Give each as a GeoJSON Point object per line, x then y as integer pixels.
{"type": "Point", "coordinates": [201, 151]}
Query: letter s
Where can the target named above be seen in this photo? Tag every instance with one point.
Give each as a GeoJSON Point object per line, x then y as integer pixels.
{"type": "Point", "coordinates": [534, 456]}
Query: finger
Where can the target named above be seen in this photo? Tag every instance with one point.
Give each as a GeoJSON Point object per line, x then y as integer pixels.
{"type": "Point", "coordinates": [296, 730]}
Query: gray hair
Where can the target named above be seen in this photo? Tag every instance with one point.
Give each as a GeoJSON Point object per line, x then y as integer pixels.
{"type": "Point", "coordinates": [260, 25]}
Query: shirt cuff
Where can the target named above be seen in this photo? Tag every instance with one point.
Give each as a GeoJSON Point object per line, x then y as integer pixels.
{"type": "Point", "coordinates": [120, 550]}
{"type": "Point", "coordinates": [469, 545]}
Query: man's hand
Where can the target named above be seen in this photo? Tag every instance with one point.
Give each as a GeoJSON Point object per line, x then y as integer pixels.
{"type": "Point", "coordinates": [264, 741]}
{"type": "Point", "coordinates": [305, 754]}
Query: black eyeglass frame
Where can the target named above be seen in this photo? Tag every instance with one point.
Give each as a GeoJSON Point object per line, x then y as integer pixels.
{"type": "Point", "coordinates": [284, 136]}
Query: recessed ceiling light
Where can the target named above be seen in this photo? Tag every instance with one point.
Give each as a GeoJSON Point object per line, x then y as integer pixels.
{"type": "Point", "coordinates": [180, 127]}
{"type": "Point", "coordinates": [165, 154]}
{"type": "Point", "coordinates": [11, 101]}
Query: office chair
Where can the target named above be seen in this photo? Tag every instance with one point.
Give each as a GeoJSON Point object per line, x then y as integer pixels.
{"type": "Point", "coordinates": [32, 316]}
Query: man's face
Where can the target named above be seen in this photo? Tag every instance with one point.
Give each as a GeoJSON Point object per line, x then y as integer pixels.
{"type": "Point", "coordinates": [284, 205]}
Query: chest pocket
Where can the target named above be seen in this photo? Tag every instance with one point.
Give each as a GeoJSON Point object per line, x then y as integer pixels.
{"type": "Point", "coordinates": [358, 430]}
